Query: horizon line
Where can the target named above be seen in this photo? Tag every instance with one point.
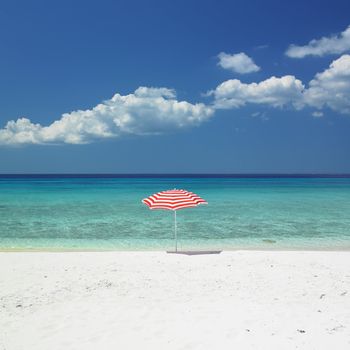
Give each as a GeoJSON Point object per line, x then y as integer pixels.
{"type": "Point", "coordinates": [297, 174]}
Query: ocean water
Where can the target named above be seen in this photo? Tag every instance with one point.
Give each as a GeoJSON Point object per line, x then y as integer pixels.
{"type": "Point", "coordinates": [98, 213]}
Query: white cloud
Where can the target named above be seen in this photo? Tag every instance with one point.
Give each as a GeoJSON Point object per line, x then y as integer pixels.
{"type": "Point", "coordinates": [146, 111]}
{"type": "Point", "coordinates": [276, 92]}
{"type": "Point", "coordinates": [157, 110]}
{"type": "Point", "coordinates": [335, 44]}
{"type": "Point", "coordinates": [260, 115]}
{"type": "Point", "coordinates": [239, 63]}
{"type": "Point", "coordinates": [317, 114]}
{"type": "Point", "coordinates": [261, 47]}
{"type": "Point", "coordinates": [331, 88]}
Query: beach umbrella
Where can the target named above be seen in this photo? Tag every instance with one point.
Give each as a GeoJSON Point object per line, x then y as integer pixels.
{"type": "Point", "coordinates": [173, 200]}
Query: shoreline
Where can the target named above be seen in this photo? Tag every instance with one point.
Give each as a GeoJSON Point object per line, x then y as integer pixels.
{"type": "Point", "coordinates": [238, 249]}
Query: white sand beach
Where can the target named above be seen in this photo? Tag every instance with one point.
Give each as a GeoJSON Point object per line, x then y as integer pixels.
{"type": "Point", "coordinates": [153, 300]}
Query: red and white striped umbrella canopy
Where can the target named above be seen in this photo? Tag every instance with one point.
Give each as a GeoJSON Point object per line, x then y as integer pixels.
{"type": "Point", "coordinates": [173, 200]}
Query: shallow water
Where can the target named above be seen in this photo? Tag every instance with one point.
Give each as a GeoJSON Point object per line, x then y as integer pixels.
{"type": "Point", "coordinates": [107, 213]}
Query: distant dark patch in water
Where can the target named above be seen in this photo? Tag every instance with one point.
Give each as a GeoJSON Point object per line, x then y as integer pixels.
{"type": "Point", "coordinates": [269, 241]}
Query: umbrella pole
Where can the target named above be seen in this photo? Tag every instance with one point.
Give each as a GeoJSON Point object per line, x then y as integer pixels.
{"type": "Point", "coordinates": [175, 231]}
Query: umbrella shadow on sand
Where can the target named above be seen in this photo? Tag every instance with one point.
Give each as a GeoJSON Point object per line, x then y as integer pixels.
{"type": "Point", "coordinates": [194, 252]}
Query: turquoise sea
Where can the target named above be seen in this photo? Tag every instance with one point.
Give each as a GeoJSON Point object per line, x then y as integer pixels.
{"type": "Point", "coordinates": [96, 212]}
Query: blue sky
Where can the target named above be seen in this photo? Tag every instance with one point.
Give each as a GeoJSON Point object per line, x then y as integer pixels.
{"type": "Point", "coordinates": [175, 87]}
